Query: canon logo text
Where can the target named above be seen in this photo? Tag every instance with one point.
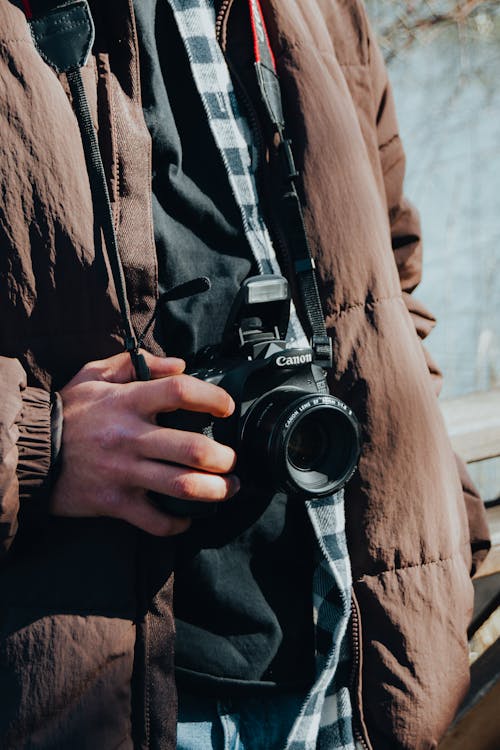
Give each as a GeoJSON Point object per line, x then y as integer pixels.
{"type": "Point", "coordinates": [298, 359]}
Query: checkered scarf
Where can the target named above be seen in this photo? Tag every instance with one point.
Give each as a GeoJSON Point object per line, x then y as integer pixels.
{"type": "Point", "coordinates": [325, 720]}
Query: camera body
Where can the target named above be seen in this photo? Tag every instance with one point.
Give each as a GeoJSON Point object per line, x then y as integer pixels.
{"type": "Point", "coordinates": [288, 432]}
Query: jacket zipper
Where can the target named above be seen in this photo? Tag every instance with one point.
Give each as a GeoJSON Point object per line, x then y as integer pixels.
{"type": "Point", "coordinates": [359, 733]}
{"type": "Point", "coordinates": [221, 16]}
{"type": "Point", "coordinates": [283, 254]}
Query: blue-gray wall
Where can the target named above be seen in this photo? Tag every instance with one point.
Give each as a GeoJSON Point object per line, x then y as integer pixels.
{"type": "Point", "coordinates": [446, 78]}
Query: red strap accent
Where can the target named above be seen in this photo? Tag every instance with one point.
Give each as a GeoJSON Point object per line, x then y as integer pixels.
{"type": "Point", "coordinates": [27, 9]}
{"type": "Point", "coordinates": [255, 7]}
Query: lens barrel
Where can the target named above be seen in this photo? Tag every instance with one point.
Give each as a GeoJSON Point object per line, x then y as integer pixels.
{"type": "Point", "coordinates": [309, 442]}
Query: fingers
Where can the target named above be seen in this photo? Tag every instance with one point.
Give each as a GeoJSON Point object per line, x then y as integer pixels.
{"type": "Point", "coordinates": [161, 367]}
{"type": "Point", "coordinates": [119, 368]}
{"type": "Point", "coordinates": [137, 510]}
{"type": "Point", "coordinates": [182, 482]}
{"type": "Point", "coordinates": [187, 448]}
{"type": "Point", "coordinates": [181, 392]}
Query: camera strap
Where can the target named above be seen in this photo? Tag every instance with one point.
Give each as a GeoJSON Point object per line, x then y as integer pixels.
{"type": "Point", "coordinates": [63, 34]}
{"type": "Point", "coordinates": [302, 259]}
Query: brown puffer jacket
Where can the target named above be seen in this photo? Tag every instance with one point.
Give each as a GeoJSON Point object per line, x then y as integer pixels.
{"type": "Point", "coordinates": [85, 618]}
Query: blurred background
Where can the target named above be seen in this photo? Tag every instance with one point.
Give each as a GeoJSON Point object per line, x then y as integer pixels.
{"type": "Point", "coordinates": [444, 62]}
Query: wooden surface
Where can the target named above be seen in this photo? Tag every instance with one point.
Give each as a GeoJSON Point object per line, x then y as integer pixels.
{"type": "Point", "coordinates": [486, 636]}
{"type": "Point", "coordinates": [486, 600]}
{"type": "Point", "coordinates": [493, 514]}
{"type": "Point", "coordinates": [492, 563]}
{"type": "Point", "coordinates": [473, 424]}
{"type": "Point", "coordinates": [477, 726]}
{"type": "Point", "coordinates": [479, 729]}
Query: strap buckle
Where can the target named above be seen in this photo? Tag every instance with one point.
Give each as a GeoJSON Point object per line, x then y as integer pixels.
{"type": "Point", "coordinates": [287, 160]}
{"type": "Point", "coordinates": [321, 345]}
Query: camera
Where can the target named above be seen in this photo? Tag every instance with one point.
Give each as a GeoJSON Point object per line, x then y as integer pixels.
{"type": "Point", "coordinates": [289, 433]}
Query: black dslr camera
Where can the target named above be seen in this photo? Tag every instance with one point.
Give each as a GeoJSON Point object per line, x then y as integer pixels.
{"type": "Point", "coordinates": [288, 432]}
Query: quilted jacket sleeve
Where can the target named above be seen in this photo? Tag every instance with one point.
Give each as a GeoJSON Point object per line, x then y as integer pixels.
{"type": "Point", "coordinates": [407, 246]}
{"type": "Point", "coordinates": [25, 448]}
{"type": "Point", "coordinates": [12, 383]}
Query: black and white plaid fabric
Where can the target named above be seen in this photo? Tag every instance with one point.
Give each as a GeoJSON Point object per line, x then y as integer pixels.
{"type": "Point", "coordinates": [325, 720]}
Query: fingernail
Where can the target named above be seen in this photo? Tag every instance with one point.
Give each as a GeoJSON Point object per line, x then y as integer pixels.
{"type": "Point", "coordinates": [231, 457]}
{"type": "Point", "coordinates": [176, 361]}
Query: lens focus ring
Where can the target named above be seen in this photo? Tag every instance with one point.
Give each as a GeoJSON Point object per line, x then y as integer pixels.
{"type": "Point", "coordinates": [309, 442]}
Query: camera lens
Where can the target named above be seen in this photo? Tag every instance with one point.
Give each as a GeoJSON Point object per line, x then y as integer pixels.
{"type": "Point", "coordinates": [308, 442]}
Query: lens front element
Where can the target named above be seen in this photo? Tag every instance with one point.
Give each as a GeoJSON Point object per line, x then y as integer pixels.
{"type": "Point", "coordinates": [309, 442]}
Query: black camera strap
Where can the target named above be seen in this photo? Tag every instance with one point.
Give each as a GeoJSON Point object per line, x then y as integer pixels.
{"type": "Point", "coordinates": [63, 34]}
{"type": "Point", "coordinates": [303, 261]}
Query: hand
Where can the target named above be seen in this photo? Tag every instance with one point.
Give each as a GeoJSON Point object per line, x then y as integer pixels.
{"type": "Point", "coordinates": [113, 451]}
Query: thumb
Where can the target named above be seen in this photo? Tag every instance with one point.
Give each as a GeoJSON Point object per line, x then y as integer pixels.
{"type": "Point", "coordinates": [119, 368]}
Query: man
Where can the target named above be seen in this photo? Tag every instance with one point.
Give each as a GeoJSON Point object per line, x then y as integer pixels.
{"type": "Point", "coordinates": [86, 584]}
